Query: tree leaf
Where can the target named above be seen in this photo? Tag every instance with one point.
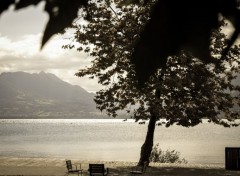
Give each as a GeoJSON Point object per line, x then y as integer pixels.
{"type": "Point", "coordinates": [128, 2]}
{"type": "Point", "coordinates": [24, 3]}
{"type": "Point", "coordinates": [61, 15]}
{"type": "Point", "coordinates": [4, 4]}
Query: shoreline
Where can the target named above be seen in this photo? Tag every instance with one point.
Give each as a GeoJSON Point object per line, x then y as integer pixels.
{"type": "Point", "coordinates": [59, 161]}
{"type": "Point", "coordinates": [56, 167]}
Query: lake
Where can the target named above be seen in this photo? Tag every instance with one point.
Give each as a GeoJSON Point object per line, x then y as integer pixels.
{"type": "Point", "coordinates": [111, 139]}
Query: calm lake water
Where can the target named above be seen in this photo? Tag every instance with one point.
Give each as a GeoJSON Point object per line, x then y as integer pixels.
{"type": "Point", "coordinates": [112, 139]}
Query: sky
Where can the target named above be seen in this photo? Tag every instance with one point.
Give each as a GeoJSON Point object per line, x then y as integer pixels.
{"type": "Point", "coordinates": [20, 38]}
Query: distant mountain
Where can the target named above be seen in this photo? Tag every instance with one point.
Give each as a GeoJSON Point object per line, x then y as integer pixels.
{"type": "Point", "coordinates": [43, 95]}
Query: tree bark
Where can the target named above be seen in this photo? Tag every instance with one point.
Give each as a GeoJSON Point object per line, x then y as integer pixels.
{"type": "Point", "coordinates": [146, 148]}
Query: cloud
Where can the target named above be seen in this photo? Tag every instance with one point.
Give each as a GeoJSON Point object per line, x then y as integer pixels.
{"type": "Point", "coordinates": [20, 38]}
{"type": "Point", "coordinates": [30, 20]}
{"type": "Point", "coordinates": [24, 55]}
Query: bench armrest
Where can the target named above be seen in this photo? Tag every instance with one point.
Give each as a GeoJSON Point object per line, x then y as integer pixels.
{"type": "Point", "coordinates": [76, 165]}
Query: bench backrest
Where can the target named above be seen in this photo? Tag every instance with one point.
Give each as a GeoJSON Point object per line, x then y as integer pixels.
{"type": "Point", "coordinates": [96, 169]}
{"type": "Point", "coordinates": [69, 164]}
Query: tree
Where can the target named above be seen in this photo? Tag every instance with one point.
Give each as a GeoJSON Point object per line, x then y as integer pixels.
{"type": "Point", "coordinates": [181, 25]}
{"type": "Point", "coordinates": [171, 21]}
{"type": "Point", "coordinates": [183, 92]}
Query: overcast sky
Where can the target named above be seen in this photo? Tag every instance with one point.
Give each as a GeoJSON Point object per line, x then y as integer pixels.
{"type": "Point", "coordinates": [20, 38]}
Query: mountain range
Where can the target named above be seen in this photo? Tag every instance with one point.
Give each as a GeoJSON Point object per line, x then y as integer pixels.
{"type": "Point", "coordinates": [43, 95]}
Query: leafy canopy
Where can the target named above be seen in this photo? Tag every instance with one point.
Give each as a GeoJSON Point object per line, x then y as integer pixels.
{"type": "Point", "coordinates": [174, 25]}
{"type": "Point", "coordinates": [188, 90]}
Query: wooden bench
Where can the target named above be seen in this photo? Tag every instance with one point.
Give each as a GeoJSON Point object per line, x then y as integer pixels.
{"type": "Point", "coordinates": [71, 170]}
{"type": "Point", "coordinates": [97, 170]}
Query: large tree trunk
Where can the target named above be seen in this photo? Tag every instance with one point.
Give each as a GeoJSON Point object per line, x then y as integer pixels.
{"type": "Point", "coordinates": [146, 148]}
{"type": "Point", "coordinates": [148, 144]}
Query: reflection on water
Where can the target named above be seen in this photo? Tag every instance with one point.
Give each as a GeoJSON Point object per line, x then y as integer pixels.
{"type": "Point", "coordinates": [111, 139]}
